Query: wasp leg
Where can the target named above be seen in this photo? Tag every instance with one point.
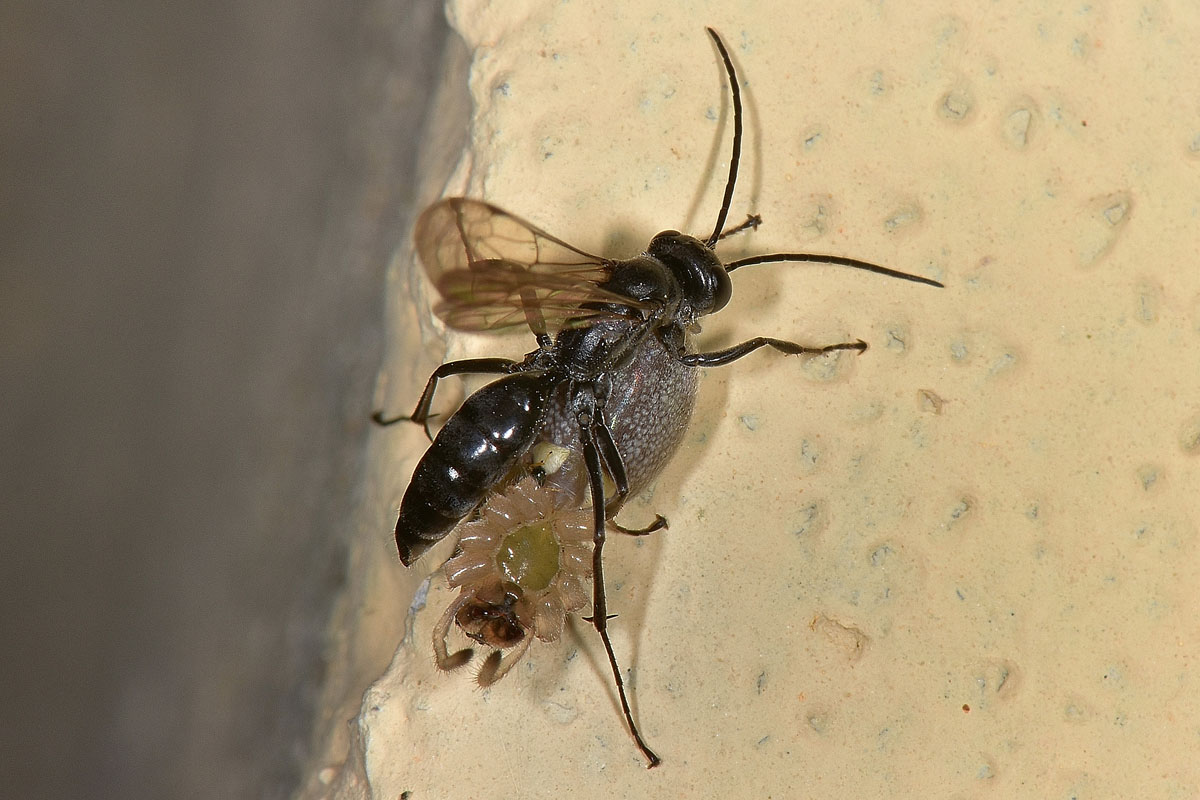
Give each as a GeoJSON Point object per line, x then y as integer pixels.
{"type": "Point", "coordinates": [660, 523]}
{"type": "Point", "coordinates": [616, 468]}
{"type": "Point", "coordinates": [719, 358]}
{"type": "Point", "coordinates": [586, 416]}
{"type": "Point", "coordinates": [752, 221]}
{"type": "Point", "coordinates": [612, 462]}
{"type": "Point", "coordinates": [420, 414]}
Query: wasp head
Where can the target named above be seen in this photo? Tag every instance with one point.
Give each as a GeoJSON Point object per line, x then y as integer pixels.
{"type": "Point", "coordinates": [702, 278]}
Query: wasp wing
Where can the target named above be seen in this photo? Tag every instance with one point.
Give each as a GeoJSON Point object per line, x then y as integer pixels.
{"type": "Point", "coordinates": [494, 270]}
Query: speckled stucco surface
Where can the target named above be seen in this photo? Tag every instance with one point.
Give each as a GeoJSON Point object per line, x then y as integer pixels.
{"type": "Point", "coordinates": [963, 564]}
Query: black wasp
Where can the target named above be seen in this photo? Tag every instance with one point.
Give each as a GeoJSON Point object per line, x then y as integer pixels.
{"type": "Point", "coordinates": [613, 376]}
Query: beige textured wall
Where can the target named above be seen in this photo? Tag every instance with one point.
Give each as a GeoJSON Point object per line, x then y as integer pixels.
{"type": "Point", "coordinates": [965, 562]}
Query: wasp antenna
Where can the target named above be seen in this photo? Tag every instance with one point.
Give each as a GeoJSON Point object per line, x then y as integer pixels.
{"type": "Point", "coordinates": [737, 139]}
{"type": "Point", "coordinates": [840, 261]}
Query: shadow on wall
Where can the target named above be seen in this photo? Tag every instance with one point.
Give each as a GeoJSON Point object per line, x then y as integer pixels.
{"type": "Point", "coordinates": [196, 210]}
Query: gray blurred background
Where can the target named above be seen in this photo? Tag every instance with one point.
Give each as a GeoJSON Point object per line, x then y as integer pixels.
{"type": "Point", "coordinates": [197, 205]}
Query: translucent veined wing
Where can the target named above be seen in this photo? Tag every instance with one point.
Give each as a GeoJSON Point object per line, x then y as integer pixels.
{"type": "Point", "coordinates": [494, 270]}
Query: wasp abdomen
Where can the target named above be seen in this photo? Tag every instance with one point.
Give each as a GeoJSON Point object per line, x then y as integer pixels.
{"type": "Point", "coordinates": [475, 450]}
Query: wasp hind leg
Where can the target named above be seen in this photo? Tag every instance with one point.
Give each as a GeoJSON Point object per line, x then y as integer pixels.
{"type": "Point", "coordinates": [588, 418]}
{"type": "Point", "coordinates": [719, 358]}
{"type": "Point", "coordinates": [660, 523]}
{"type": "Point", "coordinates": [420, 414]}
{"type": "Point", "coordinates": [616, 468]}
